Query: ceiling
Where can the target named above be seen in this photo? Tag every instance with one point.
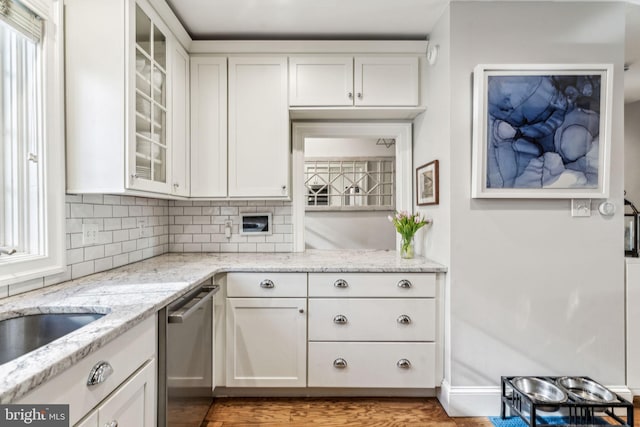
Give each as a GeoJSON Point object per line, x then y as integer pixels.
{"type": "Point", "coordinates": [347, 20]}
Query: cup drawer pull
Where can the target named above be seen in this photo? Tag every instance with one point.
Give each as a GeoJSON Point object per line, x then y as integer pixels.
{"type": "Point", "coordinates": [340, 363]}
{"type": "Point", "coordinates": [99, 373]}
{"type": "Point", "coordinates": [341, 283]}
{"type": "Point", "coordinates": [340, 319]}
{"type": "Point", "coordinates": [404, 284]}
{"type": "Point", "coordinates": [403, 364]}
{"type": "Point", "coordinates": [404, 319]}
{"type": "Point", "coordinates": [267, 284]}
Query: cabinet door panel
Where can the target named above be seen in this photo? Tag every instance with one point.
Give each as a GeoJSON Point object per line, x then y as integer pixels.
{"type": "Point", "coordinates": [321, 81]}
{"type": "Point", "coordinates": [386, 81]}
{"type": "Point", "coordinates": [180, 121]}
{"type": "Point", "coordinates": [208, 127]}
{"type": "Point", "coordinates": [258, 127]}
{"type": "Point", "coordinates": [133, 404]}
{"type": "Point", "coordinates": [266, 342]}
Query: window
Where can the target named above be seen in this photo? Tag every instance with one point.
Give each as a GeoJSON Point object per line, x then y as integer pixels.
{"type": "Point", "coordinates": [31, 171]}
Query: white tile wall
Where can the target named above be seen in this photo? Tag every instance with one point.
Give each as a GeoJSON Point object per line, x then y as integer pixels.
{"type": "Point", "coordinates": [129, 229]}
{"type": "Point", "coordinates": [198, 226]}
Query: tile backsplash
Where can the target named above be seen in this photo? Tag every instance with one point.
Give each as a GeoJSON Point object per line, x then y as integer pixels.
{"type": "Point", "coordinates": [131, 229]}
{"type": "Point", "coordinates": [198, 226]}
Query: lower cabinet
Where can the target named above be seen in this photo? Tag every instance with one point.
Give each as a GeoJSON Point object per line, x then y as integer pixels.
{"type": "Point", "coordinates": [132, 404]}
{"type": "Point", "coordinates": [125, 394]}
{"type": "Point", "coordinates": [266, 343]}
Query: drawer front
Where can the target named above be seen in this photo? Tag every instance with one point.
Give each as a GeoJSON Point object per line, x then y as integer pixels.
{"type": "Point", "coordinates": [258, 285]}
{"type": "Point", "coordinates": [390, 285]}
{"type": "Point", "coordinates": [400, 365]}
{"type": "Point", "coordinates": [125, 354]}
{"type": "Point", "coordinates": [372, 319]}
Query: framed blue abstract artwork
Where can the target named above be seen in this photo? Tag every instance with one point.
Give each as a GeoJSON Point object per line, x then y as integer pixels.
{"type": "Point", "coordinates": [542, 131]}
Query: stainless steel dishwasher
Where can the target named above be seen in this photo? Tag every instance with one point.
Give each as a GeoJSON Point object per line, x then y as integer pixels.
{"type": "Point", "coordinates": [185, 357]}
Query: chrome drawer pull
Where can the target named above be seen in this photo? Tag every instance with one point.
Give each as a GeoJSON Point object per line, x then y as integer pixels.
{"type": "Point", "coordinates": [404, 319]}
{"type": "Point", "coordinates": [340, 363]}
{"type": "Point", "coordinates": [113, 423]}
{"type": "Point", "coordinates": [404, 284]}
{"type": "Point", "coordinates": [341, 283]}
{"type": "Point", "coordinates": [99, 373]}
{"type": "Point", "coordinates": [267, 284]}
{"type": "Point", "coordinates": [340, 319]}
{"type": "Point", "coordinates": [403, 364]}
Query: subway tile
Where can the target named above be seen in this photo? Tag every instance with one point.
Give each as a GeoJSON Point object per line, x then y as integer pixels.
{"type": "Point", "coordinates": [103, 264]}
{"type": "Point", "coordinates": [120, 260]}
{"type": "Point", "coordinates": [74, 225]}
{"type": "Point", "coordinates": [93, 252]}
{"type": "Point", "coordinates": [178, 210]}
{"type": "Point", "coordinates": [201, 238]}
{"type": "Point", "coordinates": [76, 240]}
{"type": "Point", "coordinates": [211, 229]}
{"type": "Point", "coordinates": [193, 210]}
{"type": "Point", "coordinates": [135, 210]}
{"type": "Point", "coordinates": [256, 239]}
{"type": "Point", "coordinates": [228, 247]}
{"type": "Point", "coordinates": [111, 200]}
{"type": "Point", "coordinates": [176, 247]}
{"type": "Point", "coordinates": [192, 229]}
{"type": "Point", "coordinates": [128, 200]}
{"type": "Point", "coordinates": [201, 203]}
{"type": "Point", "coordinates": [112, 224]}
{"type": "Point", "coordinates": [183, 203]}
{"type": "Point", "coordinates": [192, 247]}
{"type": "Point", "coordinates": [120, 235]}
{"type": "Point", "coordinates": [75, 256]}
{"type": "Point", "coordinates": [135, 256]}
{"type": "Point", "coordinates": [82, 269]}
{"type": "Point", "coordinates": [141, 201]}
{"type": "Point", "coordinates": [202, 220]}
{"type": "Point", "coordinates": [228, 210]}
{"type": "Point", "coordinates": [211, 247]}
{"type": "Point", "coordinates": [94, 199]}
{"type": "Point", "coordinates": [248, 209]}
{"type": "Point", "coordinates": [4, 291]}
{"type": "Point", "coordinates": [79, 210]}
{"type": "Point", "coordinates": [247, 247]}
{"type": "Point", "coordinates": [283, 228]}
{"type": "Point", "coordinates": [176, 229]}
{"type": "Point", "coordinates": [265, 247]}
{"type": "Point", "coordinates": [147, 210]}
{"type": "Point", "coordinates": [113, 249]}
{"type": "Point", "coordinates": [58, 278]}
{"type": "Point", "coordinates": [284, 247]}
{"type": "Point", "coordinates": [274, 238]}
{"type": "Point", "coordinates": [129, 246]}
{"type": "Point", "coordinates": [73, 198]}
{"type": "Point", "coordinates": [142, 243]}
{"type": "Point", "coordinates": [128, 223]}
{"type": "Point", "coordinates": [211, 210]}
{"type": "Point", "coordinates": [184, 220]}
{"type": "Point", "coordinates": [183, 238]}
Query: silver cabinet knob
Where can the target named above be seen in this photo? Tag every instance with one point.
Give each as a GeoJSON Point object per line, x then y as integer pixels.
{"type": "Point", "coordinates": [403, 364]}
{"type": "Point", "coordinates": [350, 95]}
{"type": "Point", "coordinates": [99, 373]}
{"type": "Point", "coordinates": [340, 319]}
{"type": "Point", "coordinates": [339, 363]}
{"type": "Point", "coordinates": [301, 310]}
{"type": "Point", "coordinates": [404, 284]}
{"type": "Point", "coordinates": [404, 319]}
{"type": "Point", "coordinates": [134, 176]}
{"type": "Point", "coordinates": [113, 423]}
{"type": "Point", "coordinates": [359, 95]}
{"type": "Point", "coordinates": [176, 185]}
{"type": "Point", "coordinates": [267, 284]}
{"type": "Point", "coordinates": [341, 283]}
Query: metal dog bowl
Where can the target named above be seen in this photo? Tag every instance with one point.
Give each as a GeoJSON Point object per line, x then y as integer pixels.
{"type": "Point", "coordinates": [541, 391]}
{"type": "Point", "coordinates": [585, 389]}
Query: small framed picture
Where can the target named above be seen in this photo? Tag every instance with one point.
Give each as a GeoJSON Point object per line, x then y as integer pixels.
{"type": "Point", "coordinates": [427, 185]}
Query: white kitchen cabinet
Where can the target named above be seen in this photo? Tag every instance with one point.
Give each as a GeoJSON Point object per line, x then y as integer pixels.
{"type": "Point", "coordinates": [208, 126]}
{"type": "Point", "coordinates": [259, 154]}
{"type": "Point", "coordinates": [131, 355]}
{"type": "Point", "coordinates": [361, 81]}
{"type": "Point", "coordinates": [180, 125]}
{"type": "Point", "coordinates": [132, 404]}
{"type": "Point", "coordinates": [372, 330]}
{"type": "Point", "coordinates": [119, 106]}
{"type": "Point", "coordinates": [266, 337]}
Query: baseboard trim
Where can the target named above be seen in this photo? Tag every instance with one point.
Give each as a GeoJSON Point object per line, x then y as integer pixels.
{"type": "Point", "coordinates": [485, 401]}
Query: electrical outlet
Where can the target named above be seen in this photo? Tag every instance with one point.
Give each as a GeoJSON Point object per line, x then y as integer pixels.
{"type": "Point", "coordinates": [141, 223]}
{"type": "Point", "coordinates": [89, 234]}
{"type": "Point", "coordinates": [227, 228]}
{"type": "Point", "coordinates": [580, 207]}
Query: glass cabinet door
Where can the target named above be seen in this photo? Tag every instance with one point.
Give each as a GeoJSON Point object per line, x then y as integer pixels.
{"type": "Point", "coordinates": [151, 100]}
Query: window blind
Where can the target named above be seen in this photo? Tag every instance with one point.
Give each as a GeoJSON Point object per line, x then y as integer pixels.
{"type": "Point", "coordinates": [21, 18]}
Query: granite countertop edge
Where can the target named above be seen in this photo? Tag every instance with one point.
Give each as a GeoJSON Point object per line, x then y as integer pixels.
{"type": "Point", "coordinates": [132, 293]}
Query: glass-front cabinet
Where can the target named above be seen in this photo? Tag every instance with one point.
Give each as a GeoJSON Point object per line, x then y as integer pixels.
{"type": "Point", "coordinates": [149, 149]}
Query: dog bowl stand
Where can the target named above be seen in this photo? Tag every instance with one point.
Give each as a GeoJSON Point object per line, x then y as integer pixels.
{"type": "Point", "coordinates": [580, 412]}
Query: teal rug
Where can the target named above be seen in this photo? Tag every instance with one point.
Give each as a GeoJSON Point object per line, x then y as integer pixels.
{"type": "Point", "coordinates": [542, 421]}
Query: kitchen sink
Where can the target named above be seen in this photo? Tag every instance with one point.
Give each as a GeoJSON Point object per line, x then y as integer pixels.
{"type": "Point", "coordinates": [20, 335]}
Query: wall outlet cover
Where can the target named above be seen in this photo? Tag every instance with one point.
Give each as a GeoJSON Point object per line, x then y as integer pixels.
{"type": "Point", "coordinates": [89, 234]}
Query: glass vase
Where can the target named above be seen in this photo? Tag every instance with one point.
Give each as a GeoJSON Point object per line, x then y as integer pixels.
{"type": "Point", "coordinates": [407, 248]}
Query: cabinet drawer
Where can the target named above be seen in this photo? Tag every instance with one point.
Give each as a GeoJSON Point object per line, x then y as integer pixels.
{"type": "Point", "coordinates": [372, 365]}
{"type": "Point", "coordinates": [266, 285]}
{"type": "Point", "coordinates": [125, 354]}
{"type": "Point", "coordinates": [392, 285]}
{"type": "Point", "coordinates": [372, 319]}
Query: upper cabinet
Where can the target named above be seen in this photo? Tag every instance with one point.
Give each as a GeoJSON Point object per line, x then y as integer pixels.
{"type": "Point", "coordinates": [180, 126]}
{"type": "Point", "coordinates": [361, 81]}
{"type": "Point", "coordinates": [259, 154]}
{"type": "Point", "coordinates": [121, 107]}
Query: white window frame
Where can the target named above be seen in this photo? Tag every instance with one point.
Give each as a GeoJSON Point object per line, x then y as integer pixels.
{"type": "Point", "coordinates": [51, 257]}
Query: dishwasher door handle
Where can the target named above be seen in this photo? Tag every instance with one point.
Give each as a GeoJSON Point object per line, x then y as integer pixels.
{"type": "Point", "coordinates": [188, 307]}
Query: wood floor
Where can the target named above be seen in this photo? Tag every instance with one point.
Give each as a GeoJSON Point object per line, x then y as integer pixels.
{"type": "Point", "coordinates": [324, 412]}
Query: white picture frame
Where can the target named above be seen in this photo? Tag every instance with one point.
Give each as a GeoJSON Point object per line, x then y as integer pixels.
{"type": "Point", "coordinates": [522, 149]}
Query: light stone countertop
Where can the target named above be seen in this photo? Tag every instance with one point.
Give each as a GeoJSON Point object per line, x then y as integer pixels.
{"type": "Point", "coordinates": [132, 293]}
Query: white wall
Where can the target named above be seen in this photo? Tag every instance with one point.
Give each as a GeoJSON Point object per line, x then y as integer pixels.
{"type": "Point", "coordinates": [632, 152]}
{"type": "Point", "coordinates": [526, 280]}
